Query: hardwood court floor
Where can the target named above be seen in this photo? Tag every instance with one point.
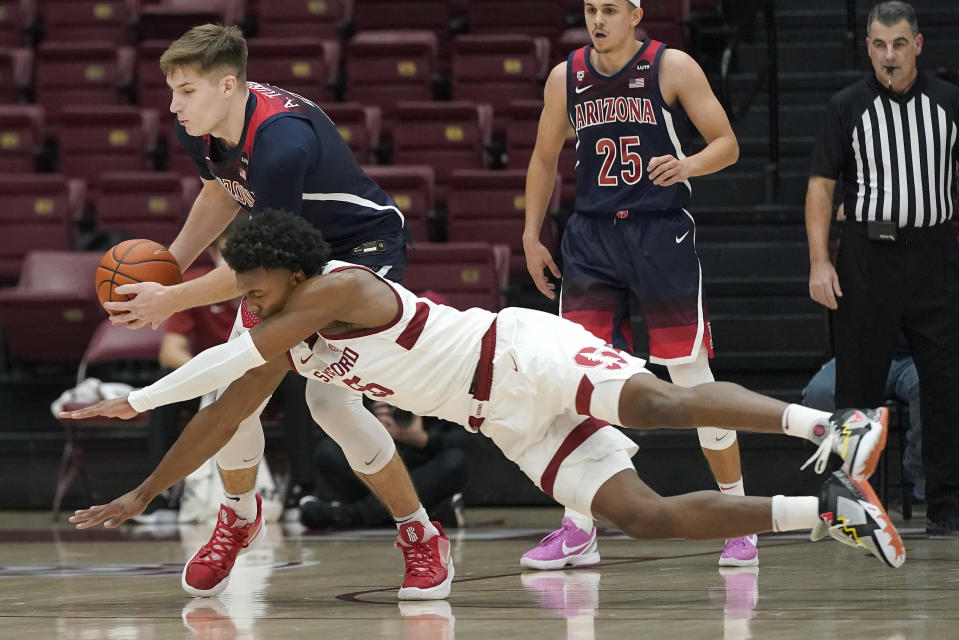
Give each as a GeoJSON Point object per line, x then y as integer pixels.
{"type": "Point", "coordinates": [57, 583]}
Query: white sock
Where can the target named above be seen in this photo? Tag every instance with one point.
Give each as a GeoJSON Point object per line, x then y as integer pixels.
{"type": "Point", "coordinates": [244, 504]}
{"type": "Point", "coordinates": [795, 512]}
{"type": "Point", "coordinates": [585, 523]}
{"type": "Point", "coordinates": [800, 421]}
{"type": "Point", "coordinates": [733, 488]}
{"type": "Point", "coordinates": [419, 516]}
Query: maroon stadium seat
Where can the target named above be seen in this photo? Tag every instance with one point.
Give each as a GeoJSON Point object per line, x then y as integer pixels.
{"type": "Point", "coordinates": [521, 138]}
{"type": "Point", "coordinates": [16, 74]}
{"type": "Point", "coordinates": [359, 125]}
{"type": "Point", "coordinates": [496, 69]}
{"type": "Point", "coordinates": [17, 18]}
{"type": "Point", "coordinates": [408, 14]}
{"type": "Point", "coordinates": [668, 10]}
{"type": "Point", "coordinates": [302, 18]}
{"type": "Point", "coordinates": [170, 19]}
{"type": "Point", "coordinates": [89, 20]}
{"type": "Point", "coordinates": [37, 213]}
{"type": "Point", "coordinates": [305, 66]}
{"type": "Point", "coordinates": [82, 73]}
{"type": "Point", "coordinates": [531, 17]}
{"type": "Point", "coordinates": [469, 274]}
{"type": "Point", "coordinates": [98, 139]}
{"type": "Point", "coordinates": [387, 67]}
{"type": "Point", "coordinates": [152, 89]}
{"type": "Point", "coordinates": [411, 187]}
{"type": "Point", "coordinates": [142, 204]}
{"type": "Point", "coordinates": [489, 206]}
{"type": "Point", "coordinates": [21, 135]}
{"type": "Point", "coordinates": [49, 316]}
{"type": "Point", "coordinates": [671, 32]}
{"type": "Point", "coordinates": [443, 135]}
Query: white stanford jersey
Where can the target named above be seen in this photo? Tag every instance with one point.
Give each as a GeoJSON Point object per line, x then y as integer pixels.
{"type": "Point", "coordinates": [429, 353]}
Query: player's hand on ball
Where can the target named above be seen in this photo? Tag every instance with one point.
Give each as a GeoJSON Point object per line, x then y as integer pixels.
{"type": "Point", "coordinates": [664, 171]}
{"type": "Point", "coordinates": [150, 306]}
{"type": "Point", "coordinates": [113, 408]}
{"type": "Point", "coordinates": [111, 515]}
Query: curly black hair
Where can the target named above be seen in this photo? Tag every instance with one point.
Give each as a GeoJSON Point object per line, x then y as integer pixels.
{"type": "Point", "coordinates": [275, 239]}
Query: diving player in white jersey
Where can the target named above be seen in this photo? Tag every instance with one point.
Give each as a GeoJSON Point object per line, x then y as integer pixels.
{"type": "Point", "coordinates": [544, 389]}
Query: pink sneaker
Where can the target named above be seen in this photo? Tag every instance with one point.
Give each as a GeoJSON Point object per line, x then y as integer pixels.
{"type": "Point", "coordinates": [568, 546]}
{"type": "Point", "coordinates": [740, 552]}
{"type": "Point", "coordinates": [429, 567]}
{"type": "Point", "coordinates": [208, 571]}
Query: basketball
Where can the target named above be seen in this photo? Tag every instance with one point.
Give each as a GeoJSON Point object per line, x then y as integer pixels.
{"type": "Point", "coordinates": [132, 261]}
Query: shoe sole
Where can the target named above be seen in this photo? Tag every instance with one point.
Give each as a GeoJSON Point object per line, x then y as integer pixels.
{"type": "Point", "coordinates": [888, 551]}
{"type": "Point", "coordinates": [736, 562]}
{"type": "Point", "coordinates": [870, 464]}
{"type": "Point", "coordinates": [581, 560]}
{"type": "Point", "coordinates": [439, 592]}
{"type": "Point", "coordinates": [222, 585]}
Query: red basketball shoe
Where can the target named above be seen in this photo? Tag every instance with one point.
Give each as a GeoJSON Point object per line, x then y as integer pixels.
{"type": "Point", "coordinates": [208, 571]}
{"type": "Point", "coordinates": [429, 567]}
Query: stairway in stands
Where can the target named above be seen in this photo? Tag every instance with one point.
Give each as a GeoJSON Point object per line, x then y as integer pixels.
{"type": "Point", "coordinates": [769, 335]}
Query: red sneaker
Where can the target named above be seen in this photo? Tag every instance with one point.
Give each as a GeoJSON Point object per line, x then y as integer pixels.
{"type": "Point", "coordinates": [208, 571]}
{"type": "Point", "coordinates": [429, 568]}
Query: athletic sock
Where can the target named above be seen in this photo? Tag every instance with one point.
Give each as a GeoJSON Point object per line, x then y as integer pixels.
{"type": "Point", "coordinates": [732, 488]}
{"type": "Point", "coordinates": [584, 522]}
{"type": "Point", "coordinates": [244, 504]}
{"type": "Point", "coordinates": [418, 516]}
{"type": "Point", "coordinates": [801, 421]}
{"type": "Point", "coordinates": [795, 512]}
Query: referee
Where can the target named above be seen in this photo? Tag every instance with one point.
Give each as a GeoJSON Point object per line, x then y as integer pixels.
{"type": "Point", "coordinates": [892, 138]}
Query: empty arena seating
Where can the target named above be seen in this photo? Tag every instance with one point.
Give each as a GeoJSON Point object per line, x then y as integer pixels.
{"type": "Point", "coordinates": [17, 19]}
{"type": "Point", "coordinates": [21, 135]}
{"type": "Point", "coordinates": [146, 204]}
{"type": "Point", "coordinates": [16, 74]}
{"type": "Point", "coordinates": [37, 213]}
{"type": "Point", "coordinates": [98, 139]}
{"type": "Point", "coordinates": [469, 274]}
{"type": "Point", "coordinates": [49, 316]}
{"type": "Point", "coordinates": [359, 125]}
{"type": "Point", "coordinates": [532, 17]}
{"type": "Point", "coordinates": [306, 66]}
{"type": "Point", "coordinates": [663, 20]}
{"type": "Point", "coordinates": [89, 20]}
{"type": "Point", "coordinates": [151, 87]}
{"type": "Point", "coordinates": [303, 18]}
{"type": "Point", "coordinates": [521, 138]}
{"type": "Point", "coordinates": [408, 14]}
{"type": "Point", "coordinates": [411, 187]}
{"type": "Point", "coordinates": [443, 135]}
{"type": "Point", "coordinates": [387, 67]}
{"type": "Point", "coordinates": [496, 69]}
{"type": "Point", "coordinates": [490, 206]}
{"type": "Point", "coordinates": [169, 19]}
{"type": "Point", "coordinates": [82, 73]}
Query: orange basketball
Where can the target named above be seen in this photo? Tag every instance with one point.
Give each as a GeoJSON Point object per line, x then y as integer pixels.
{"type": "Point", "coordinates": [134, 261]}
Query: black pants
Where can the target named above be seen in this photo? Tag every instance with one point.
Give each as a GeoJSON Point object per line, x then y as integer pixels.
{"type": "Point", "coordinates": [911, 284]}
{"type": "Point", "coordinates": [434, 477]}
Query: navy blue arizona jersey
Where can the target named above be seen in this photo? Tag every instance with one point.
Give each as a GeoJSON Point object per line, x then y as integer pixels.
{"type": "Point", "coordinates": [621, 122]}
{"type": "Point", "coordinates": [290, 156]}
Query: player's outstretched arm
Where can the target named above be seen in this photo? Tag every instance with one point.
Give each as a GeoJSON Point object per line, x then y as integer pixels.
{"type": "Point", "coordinates": [204, 435]}
{"type": "Point", "coordinates": [541, 178]}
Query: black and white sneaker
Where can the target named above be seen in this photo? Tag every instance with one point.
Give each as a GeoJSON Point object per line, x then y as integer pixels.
{"type": "Point", "coordinates": [857, 435]}
{"type": "Point", "coordinates": [851, 513]}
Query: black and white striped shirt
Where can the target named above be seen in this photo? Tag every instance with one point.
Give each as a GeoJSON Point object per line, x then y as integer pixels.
{"type": "Point", "coordinates": [896, 153]}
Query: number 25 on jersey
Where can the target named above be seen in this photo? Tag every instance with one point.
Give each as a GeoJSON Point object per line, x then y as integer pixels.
{"type": "Point", "coordinates": [630, 164]}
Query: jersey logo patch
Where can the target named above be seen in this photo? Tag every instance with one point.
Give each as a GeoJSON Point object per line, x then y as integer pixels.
{"type": "Point", "coordinates": [592, 357]}
{"type": "Point", "coordinates": [582, 89]}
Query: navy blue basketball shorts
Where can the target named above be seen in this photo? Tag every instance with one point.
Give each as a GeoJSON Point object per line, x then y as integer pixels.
{"type": "Point", "coordinates": [649, 255]}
